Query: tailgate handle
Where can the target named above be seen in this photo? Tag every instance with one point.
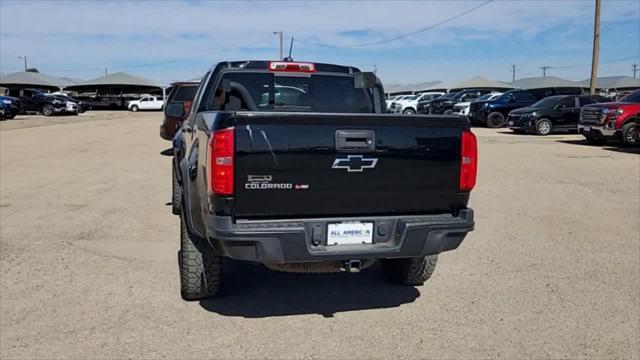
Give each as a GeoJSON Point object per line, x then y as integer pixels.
{"type": "Point", "coordinates": [355, 140]}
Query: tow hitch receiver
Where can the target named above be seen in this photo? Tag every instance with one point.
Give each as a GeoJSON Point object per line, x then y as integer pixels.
{"type": "Point", "coordinates": [352, 266]}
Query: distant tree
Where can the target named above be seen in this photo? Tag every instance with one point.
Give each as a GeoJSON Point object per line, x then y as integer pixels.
{"type": "Point", "coordinates": [33, 70]}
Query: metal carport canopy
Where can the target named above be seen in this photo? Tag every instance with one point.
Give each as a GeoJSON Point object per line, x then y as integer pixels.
{"type": "Point", "coordinates": [546, 82]}
{"type": "Point", "coordinates": [28, 79]}
{"type": "Point", "coordinates": [409, 88]}
{"type": "Point", "coordinates": [479, 83]}
{"type": "Point", "coordinates": [119, 82]}
{"type": "Point", "coordinates": [614, 82]}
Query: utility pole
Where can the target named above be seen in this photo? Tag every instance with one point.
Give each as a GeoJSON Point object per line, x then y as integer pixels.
{"type": "Point", "coordinates": [635, 69]}
{"type": "Point", "coordinates": [513, 73]}
{"type": "Point", "coordinates": [544, 70]}
{"type": "Point", "coordinates": [25, 61]}
{"type": "Point", "coordinates": [280, 34]}
{"type": "Point", "coordinates": [596, 50]}
{"type": "Point", "coordinates": [375, 69]}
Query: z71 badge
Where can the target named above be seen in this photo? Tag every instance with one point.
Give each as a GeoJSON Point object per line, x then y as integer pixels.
{"type": "Point", "coordinates": [263, 182]}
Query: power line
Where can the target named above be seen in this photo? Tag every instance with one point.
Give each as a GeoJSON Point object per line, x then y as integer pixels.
{"type": "Point", "coordinates": [402, 36]}
{"type": "Point", "coordinates": [151, 64]}
{"type": "Point", "coordinates": [601, 62]}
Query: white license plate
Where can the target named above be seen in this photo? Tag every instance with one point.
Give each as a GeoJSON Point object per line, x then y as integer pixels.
{"type": "Point", "coordinates": [350, 233]}
{"type": "Point", "coordinates": [510, 123]}
{"type": "Point", "coordinates": [586, 128]}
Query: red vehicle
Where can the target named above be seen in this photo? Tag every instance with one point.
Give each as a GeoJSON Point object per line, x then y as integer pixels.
{"type": "Point", "coordinates": [618, 120]}
{"type": "Point", "coordinates": [181, 93]}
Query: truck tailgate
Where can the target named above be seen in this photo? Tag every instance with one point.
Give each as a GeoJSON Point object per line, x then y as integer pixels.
{"type": "Point", "coordinates": [312, 165]}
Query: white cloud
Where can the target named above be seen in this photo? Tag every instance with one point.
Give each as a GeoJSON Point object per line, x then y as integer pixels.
{"type": "Point", "coordinates": [83, 34]}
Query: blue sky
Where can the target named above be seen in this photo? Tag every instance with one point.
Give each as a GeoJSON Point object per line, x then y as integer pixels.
{"type": "Point", "coordinates": [178, 40]}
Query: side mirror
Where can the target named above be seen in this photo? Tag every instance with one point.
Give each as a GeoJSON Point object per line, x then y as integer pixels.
{"type": "Point", "coordinates": [364, 80]}
{"type": "Point", "coordinates": [175, 110]}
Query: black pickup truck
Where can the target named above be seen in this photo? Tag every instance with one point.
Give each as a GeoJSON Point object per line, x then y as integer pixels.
{"type": "Point", "coordinates": [295, 166]}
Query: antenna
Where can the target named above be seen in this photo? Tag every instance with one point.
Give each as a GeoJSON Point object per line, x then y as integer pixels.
{"type": "Point", "coordinates": [289, 58]}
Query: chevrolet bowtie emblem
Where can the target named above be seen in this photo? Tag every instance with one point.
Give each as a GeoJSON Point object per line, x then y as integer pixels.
{"type": "Point", "coordinates": [355, 163]}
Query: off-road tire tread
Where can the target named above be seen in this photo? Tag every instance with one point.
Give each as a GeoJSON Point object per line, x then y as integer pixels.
{"type": "Point", "coordinates": [200, 267]}
{"type": "Point", "coordinates": [409, 271]}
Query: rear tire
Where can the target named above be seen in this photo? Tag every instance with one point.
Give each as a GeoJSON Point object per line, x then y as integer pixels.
{"type": "Point", "coordinates": [630, 136]}
{"type": "Point", "coordinates": [200, 267]}
{"type": "Point", "coordinates": [409, 271]}
{"type": "Point", "coordinates": [495, 120]}
{"type": "Point", "coordinates": [544, 127]}
{"type": "Point", "coordinates": [47, 110]}
{"type": "Point", "coordinates": [176, 194]}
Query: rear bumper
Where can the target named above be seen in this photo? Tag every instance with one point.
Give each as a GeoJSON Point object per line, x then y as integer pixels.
{"type": "Point", "coordinates": [282, 241]}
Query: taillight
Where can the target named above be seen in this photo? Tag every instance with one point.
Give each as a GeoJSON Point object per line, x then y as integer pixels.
{"type": "Point", "coordinates": [221, 162]}
{"type": "Point", "coordinates": [469, 161]}
{"type": "Point", "coordinates": [292, 66]}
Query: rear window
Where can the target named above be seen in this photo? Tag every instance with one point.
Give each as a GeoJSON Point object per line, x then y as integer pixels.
{"type": "Point", "coordinates": [184, 93]}
{"type": "Point", "coordinates": [315, 93]}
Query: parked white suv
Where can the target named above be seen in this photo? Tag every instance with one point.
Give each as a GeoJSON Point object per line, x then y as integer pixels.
{"type": "Point", "coordinates": [409, 105]}
{"type": "Point", "coordinates": [395, 98]}
{"type": "Point", "coordinates": [147, 102]}
{"type": "Point", "coordinates": [462, 108]}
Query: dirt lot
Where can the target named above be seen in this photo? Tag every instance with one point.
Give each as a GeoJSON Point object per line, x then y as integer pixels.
{"type": "Point", "coordinates": [88, 260]}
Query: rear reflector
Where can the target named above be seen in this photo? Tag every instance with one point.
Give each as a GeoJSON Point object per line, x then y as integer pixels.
{"type": "Point", "coordinates": [292, 66]}
{"type": "Point", "coordinates": [221, 162]}
{"type": "Point", "coordinates": [469, 161]}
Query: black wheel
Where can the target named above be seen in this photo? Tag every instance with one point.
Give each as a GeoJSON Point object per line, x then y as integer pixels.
{"type": "Point", "coordinates": [495, 120]}
{"type": "Point", "coordinates": [631, 134]}
{"type": "Point", "coordinates": [409, 112]}
{"type": "Point", "coordinates": [134, 108]}
{"type": "Point", "coordinates": [544, 127]}
{"type": "Point", "coordinates": [176, 194]}
{"type": "Point", "coordinates": [200, 267]}
{"type": "Point", "coordinates": [47, 110]}
{"type": "Point", "coordinates": [448, 111]}
{"type": "Point", "coordinates": [409, 271]}
{"type": "Point", "coordinates": [593, 140]}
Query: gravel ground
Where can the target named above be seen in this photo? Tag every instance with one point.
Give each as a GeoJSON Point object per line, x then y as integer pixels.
{"type": "Point", "coordinates": [88, 260]}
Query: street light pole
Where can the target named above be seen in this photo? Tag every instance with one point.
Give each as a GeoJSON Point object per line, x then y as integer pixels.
{"type": "Point", "coordinates": [280, 34]}
{"type": "Point", "coordinates": [596, 49]}
{"type": "Point", "coordinates": [25, 61]}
